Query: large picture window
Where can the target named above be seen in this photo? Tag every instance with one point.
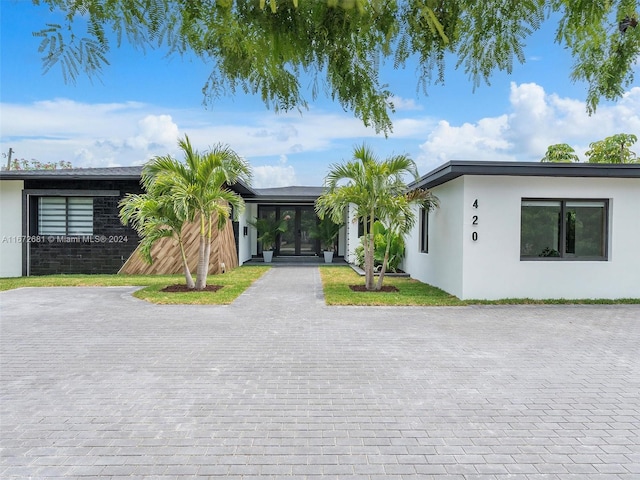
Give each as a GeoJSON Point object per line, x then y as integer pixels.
{"type": "Point", "coordinates": [563, 229]}
{"type": "Point", "coordinates": [65, 216]}
{"type": "Point", "coordinates": [424, 230]}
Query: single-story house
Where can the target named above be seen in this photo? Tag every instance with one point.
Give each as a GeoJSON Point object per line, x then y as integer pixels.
{"type": "Point", "coordinates": [502, 230]}
{"type": "Point", "coordinates": [529, 230]}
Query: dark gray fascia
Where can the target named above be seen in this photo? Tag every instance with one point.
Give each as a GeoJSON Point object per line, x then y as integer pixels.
{"type": "Point", "coordinates": [457, 168]}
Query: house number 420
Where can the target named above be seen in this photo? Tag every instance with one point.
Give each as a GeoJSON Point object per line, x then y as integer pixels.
{"type": "Point", "coordinates": [474, 221]}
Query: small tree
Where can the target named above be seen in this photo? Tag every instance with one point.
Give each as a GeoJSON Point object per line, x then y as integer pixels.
{"type": "Point", "coordinates": [153, 217]}
{"type": "Point", "coordinates": [378, 191]}
{"type": "Point", "coordinates": [198, 191]}
{"type": "Point", "coordinates": [560, 153]}
{"type": "Point", "coordinates": [613, 149]}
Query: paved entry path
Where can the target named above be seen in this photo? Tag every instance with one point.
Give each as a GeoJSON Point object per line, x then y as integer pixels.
{"type": "Point", "coordinates": [97, 384]}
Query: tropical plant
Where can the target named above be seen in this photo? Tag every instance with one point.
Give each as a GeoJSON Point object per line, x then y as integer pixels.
{"type": "Point", "coordinates": [400, 219]}
{"type": "Point", "coordinates": [560, 153]}
{"type": "Point", "coordinates": [153, 217]}
{"type": "Point", "coordinates": [378, 191]}
{"type": "Point", "coordinates": [386, 243]}
{"type": "Point", "coordinates": [269, 227]}
{"type": "Point", "coordinates": [326, 230]}
{"type": "Point", "coordinates": [198, 190]}
{"type": "Point", "coordinates": [613, 149]}
{"type": "Point", "coordinates": [266, 48]}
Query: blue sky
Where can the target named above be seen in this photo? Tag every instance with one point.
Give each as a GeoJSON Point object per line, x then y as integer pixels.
{"type": "Point", "coordinates": [145, 101]}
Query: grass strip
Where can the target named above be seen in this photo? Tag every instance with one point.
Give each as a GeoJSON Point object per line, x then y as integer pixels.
{"type": "Point", "coordinates": [336, 282]}
{"type": "Point", "coordinates": [234, 283]}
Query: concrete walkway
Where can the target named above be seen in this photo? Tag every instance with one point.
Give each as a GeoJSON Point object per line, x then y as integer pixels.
{"type": "Point", "coordinates": [97, 384]}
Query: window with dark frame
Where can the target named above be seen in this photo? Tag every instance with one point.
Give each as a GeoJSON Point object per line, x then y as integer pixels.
{"type": "Point", "coordinates": [65, 216]}
{"type": "Point", "coordinates": [563, 229]}
{"type": "Point", "coordinates": [424, 230]}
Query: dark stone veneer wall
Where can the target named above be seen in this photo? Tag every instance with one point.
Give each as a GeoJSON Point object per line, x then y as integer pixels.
{"type": "Point", "coordinates": [56, 257]}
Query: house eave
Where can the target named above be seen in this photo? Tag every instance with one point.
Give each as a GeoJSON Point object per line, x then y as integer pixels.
{"type": "Point", "coordinates": [457, 168]}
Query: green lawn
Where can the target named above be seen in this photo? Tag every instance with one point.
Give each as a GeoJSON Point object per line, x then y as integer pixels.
{"type": "Point", "coordinates": [336, 282]}
{"type": "Point", "coordinates": [234, 283]}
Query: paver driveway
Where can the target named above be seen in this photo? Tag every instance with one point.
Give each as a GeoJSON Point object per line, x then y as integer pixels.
{"type": "Point", "coordinates": [98, 384]}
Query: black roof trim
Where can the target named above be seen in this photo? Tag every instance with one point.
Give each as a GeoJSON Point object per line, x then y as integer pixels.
{"type": "Point", "coordinates": [292, 195]}
{"type": "Point", "coordinates": [105, 173]}
{"type": "Point", "coordinates": [457, 168]}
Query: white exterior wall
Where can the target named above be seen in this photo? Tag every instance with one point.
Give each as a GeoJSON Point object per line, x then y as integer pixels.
{"type": "Point", "coordinates": [11, 228]}
{"type": "Point", "coordinates": [352, 238]}
{"type": "Point", "coordinates": [442, 265]}
{"type": "Point", "coordinates": [247, 245]}
{"type": "Point", "coordinates": [490, 267]}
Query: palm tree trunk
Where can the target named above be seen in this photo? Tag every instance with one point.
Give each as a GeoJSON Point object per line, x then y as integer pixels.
{"type": "Point", "coordinates": [185, 265]}
{"type": "Point", "coordinates": [369, 247]}
{"type": "Point", "coordinates": [201, 280]}
{"type": "Point", "coordinates": [207, 251]}
{"type": "Point", "coordinates": [385, 261]}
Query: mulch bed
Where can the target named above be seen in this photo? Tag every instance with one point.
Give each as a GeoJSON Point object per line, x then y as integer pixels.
{"type": "Point", "coordinates": [385, 288]}
{"type": "Point", "coordinates": [181, 288]}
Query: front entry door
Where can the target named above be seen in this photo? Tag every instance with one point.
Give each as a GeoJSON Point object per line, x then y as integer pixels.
{"type": "Point", "coordinates": [296, 240]}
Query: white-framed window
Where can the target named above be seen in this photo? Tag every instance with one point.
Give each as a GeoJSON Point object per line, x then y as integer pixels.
{"type": "Point", "coordinates": [65, 216]}
{"type": "Point", "coordinates": [558, 229]}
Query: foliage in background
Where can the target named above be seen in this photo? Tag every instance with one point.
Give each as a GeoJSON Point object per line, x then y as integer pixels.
{"type": "Point", "coordinates": [613, 149]}
{"type": "Point", "coordinates": [560, 153]}
{"type": "Point", "coordinates": [265, 48]}
{"type": "Point", "coordinates": [23, 164]}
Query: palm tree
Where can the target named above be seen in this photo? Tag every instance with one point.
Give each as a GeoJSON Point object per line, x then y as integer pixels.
{"type": "Point", "coordinates": [198, 191]}
{"type": "Point", "coordinates": [399, 219]}
{"type": "Point", "coordinates": [152, 216]}
{"type": "Point", "coordinates": [375, 187]}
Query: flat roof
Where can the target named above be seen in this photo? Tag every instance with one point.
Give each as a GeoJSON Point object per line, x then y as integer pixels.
{"type": "Point", "coordinates": [294, 194]}
{"type": "Point", "coordinates": [103, 173]}
{"type": "Point", "coordinates": [457, 168]}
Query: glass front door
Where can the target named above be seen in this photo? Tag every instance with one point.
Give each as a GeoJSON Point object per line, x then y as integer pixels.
{"type": "Point", "coordinates": [296, 240]}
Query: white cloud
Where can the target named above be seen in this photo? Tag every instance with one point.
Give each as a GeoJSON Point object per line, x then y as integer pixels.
{"type": "Point", "coordinates": [536, 120]}
{"type": "Point", "coordinates": [400, 103]}
{"type": "Point", "coordinates": [482, 141]}
{"type": "Point", "coordinates": [288, 147]}
{"type": "Point", "coordinates": [281, 175]}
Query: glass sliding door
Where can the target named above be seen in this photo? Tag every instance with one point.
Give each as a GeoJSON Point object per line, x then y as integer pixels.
{"type": "Point", "coordinates": [288, 239]}
{"type": "Point", "coordinates": [300, 219]}
{"type": "Point", "coordinates": [306, 244]}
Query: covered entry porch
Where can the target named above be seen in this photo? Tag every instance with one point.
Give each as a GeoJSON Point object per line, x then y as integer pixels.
{"type": "Point", "coordinates": [294, 206]}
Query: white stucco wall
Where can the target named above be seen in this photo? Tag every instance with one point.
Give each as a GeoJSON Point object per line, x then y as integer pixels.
{"type": "Point", "coordinates": [352, 240]}
{"type": "Point", "coordinates": [442, 265]}
{"type": "Point", "coordinates": [492, 265]}
{"type": "Point", "coordinates": [11, 228]}
{"type": "Point", "coordinates": [247, 244]}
